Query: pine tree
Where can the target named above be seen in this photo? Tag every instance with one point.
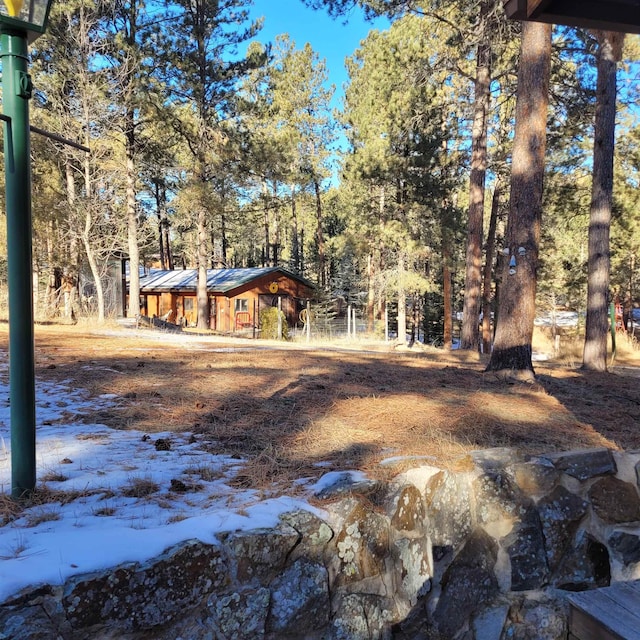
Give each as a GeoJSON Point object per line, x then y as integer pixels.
{"type": "Point", "coordinates": [201, 73]}
{"type": "Point", "coordinates": [598, 298]}
{"type": "Point", "coordinates": [512, 351]}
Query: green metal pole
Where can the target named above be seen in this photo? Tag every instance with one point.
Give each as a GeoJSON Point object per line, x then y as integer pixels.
{"type": "Point", "coordinates": [16, 91]}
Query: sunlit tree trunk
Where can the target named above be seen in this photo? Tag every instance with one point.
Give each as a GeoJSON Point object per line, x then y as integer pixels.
{"type": "Point", "coordinates": [595, 343]}
{"type": "Point", "coordinates": [132, 220]}
{"type": "Point", "coordinates": [402, 302]}
{"type": "Point", "coordinates": [446, 292]}
{"type": "Point", "coordinates": [511, 355]}
{"type": "Point", "coordinates": [469, 338]}
{"type": "Point", "coordinates": [488, 268]}
{"type": "Point", "coordinates": [322, 267]}
{"type": "Point", "coordinates": [371, 293]}
{"type": "Point", "coordinates": [86, 237]}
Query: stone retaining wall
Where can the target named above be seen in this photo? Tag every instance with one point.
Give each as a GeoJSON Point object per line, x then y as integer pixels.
{"type": "Point", "coordinates": [487, 553]}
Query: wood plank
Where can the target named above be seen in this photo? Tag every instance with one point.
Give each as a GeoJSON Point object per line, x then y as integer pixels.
{"type": "Point", "coordinates": [588, 625]}
{"type": "Point", "coordinates": [610, 613]}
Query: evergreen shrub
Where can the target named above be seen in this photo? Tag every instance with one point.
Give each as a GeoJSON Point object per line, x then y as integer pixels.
{"type": "Point", "coordinates": [269, 324]}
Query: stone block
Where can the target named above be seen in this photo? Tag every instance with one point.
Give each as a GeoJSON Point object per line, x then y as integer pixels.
{"type": "Point", "coordinates": [448, 508]}
{"type": "Point", "coordinates": [585, 565]}
{"type": "Point", "coordinates": [497, 497]}
{"type": "Point", "coordinates": [584, 463]}
{"type": "Point", "coordinates": [468, 584]}
{"type": "Point", "coordinates": [241, 615]}
{"type": "Point", "coordinates": [537, 618]}
{"type": "Point", "coordinates": [615, 501]}
{"type": "Point", "coordinates": [299, 600]}
{"type": "Point", "coordinates": [134, 597]}
{"type": "Point", "coordinates": [362, 545]}
{"type": "Point", "coordinates": [535, 477]}
{"type": "Point", "coordinates": [489, 623]}
{"type": "Point", "coordinates": [560, 514]}
{"type": "Point", "coordinates": [625, 546]}
{"type": "Point", "coordinates": [259, 554]}
{"type": "Point", "coordinates": [412, 568]}
{"type": "Point", "coordinates": [526, 550]}
{"type": "Point", "coordinates": [363, 617]}
{"type": "Point", "coordinates": [314, 532]}
{"type": "Point", "coordinates": [495, 459]}
{"type": "Point", "coordinates": [408, 513]}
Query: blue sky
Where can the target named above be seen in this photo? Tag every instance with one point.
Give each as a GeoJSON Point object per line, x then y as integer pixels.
{"type": "Point", "coordinates": [332, 39]}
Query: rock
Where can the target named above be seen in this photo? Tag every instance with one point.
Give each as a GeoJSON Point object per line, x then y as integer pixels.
{"type": "Point", "coordinates": [615, 501]}
{"type": "Point", "coordinates": [467, 584]}
{"type": "Point", "coordinates": [538, 618]}
{"type": "Point", "coordinates": [412, 569]}
{"type": "Point", "coordinates": [494, 459]}
{"type": "Point", "coordinates": [560, 513]}
{"type": "Point", "coordinates": [488, 624]}
{"type": "Point", "coordinates": [241, 615]}
{"type": "Point", "coordinates": [345, 484]}
{"type": "Point", "coordinates": [362, 545]}
{"type": "Point", "coordinates": [259, 555]}
{"type": "Point", "coordinates": [584, 566]}
{"type": "Point", "coordinates": [536, 477]}
{"type": "Point", "coordinates": [35, 615]}
{"type": "Point", "coordinates": [409, 513]}
{"type": "Point", "coordinates": [448, 509]}
{"type": "Point", "coordinates": [314, 532]}
{"type": "Point", "coordinates": [584, 463]}
{"type": "Point", "coordinates": [134, 596]}
{"type": "Point", "coordinates": [498, 498]}
{"type": "Point", "coordinates": [525, 546]}
{"type": "Point", "coordinates": [363, 618]}
{"type": "Point", "coordinates": [625, 546]}
{"type": "Point", "coordinates": [299, 599]}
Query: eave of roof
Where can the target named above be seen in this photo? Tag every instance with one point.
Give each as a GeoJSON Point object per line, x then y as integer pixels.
{"type": "Point", "coordinates": [608, 15]}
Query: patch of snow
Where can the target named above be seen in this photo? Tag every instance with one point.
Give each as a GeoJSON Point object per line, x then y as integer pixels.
{"type": "Point", "coordinates": [133, 501]}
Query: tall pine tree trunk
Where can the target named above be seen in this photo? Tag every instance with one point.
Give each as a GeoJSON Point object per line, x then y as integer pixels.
{"type": "Point", "coordinates": [488, 268]}
{"type": "Point", "coordinates": [201, 292]}
{"type": "Point", "coordinates": [86, 237]}
{"type": "Point", "coordinates": [266, 255]}
{"type": "Point", "coordinates": [295, 245]}
{"type": "Point", "coordinates": [164, 241]}
{"type": "Point", "coordinates": [371, 293]}
{"type": "Point", "coordinates": [447, 335]}
{"type": "Point", "coordinates": [511, 355]}
{"type": "Point", "coordinates": [322, 271]}
{"type": "Point", "coordinates": [595, 343]}
{"type": "Point", "coordinates": [71, 273]}
{"type": "Point", "coordinates": [469, 338]}
{"type": "Point", "coordinates": [132, 218]}
{"type": "Point", "coordinates": [402, 302]}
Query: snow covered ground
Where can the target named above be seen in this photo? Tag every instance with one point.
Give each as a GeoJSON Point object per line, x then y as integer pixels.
{"type": "Point", "coordinates": [136, 494]}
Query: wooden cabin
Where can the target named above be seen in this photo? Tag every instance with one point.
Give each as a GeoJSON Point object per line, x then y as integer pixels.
{"type": "Point", "coordinates": [236, 296]}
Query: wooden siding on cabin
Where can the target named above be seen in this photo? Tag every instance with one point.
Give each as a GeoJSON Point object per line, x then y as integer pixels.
{"type": "Point", "coordinates": [259, 293]}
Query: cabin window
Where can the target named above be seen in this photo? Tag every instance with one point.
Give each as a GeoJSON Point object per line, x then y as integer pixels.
{"type": "Point", "coordinates": [241, 304]}
{"type": "Point", "coordinates": [188, 304]}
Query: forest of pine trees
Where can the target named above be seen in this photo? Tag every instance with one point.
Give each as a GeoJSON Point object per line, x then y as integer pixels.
{"type": "Point", "coordinates": [210, 149]}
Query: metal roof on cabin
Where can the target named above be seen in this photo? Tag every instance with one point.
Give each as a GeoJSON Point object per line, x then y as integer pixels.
{"type": "Point", "coordinates": [218, 280]}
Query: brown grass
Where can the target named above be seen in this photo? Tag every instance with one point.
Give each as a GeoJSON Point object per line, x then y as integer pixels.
{"type": "Point", "coordinates": [290, 411]}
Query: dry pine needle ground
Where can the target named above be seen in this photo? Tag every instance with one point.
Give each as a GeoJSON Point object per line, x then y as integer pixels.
{"type": "Point", "coordinates": [290, 410]}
